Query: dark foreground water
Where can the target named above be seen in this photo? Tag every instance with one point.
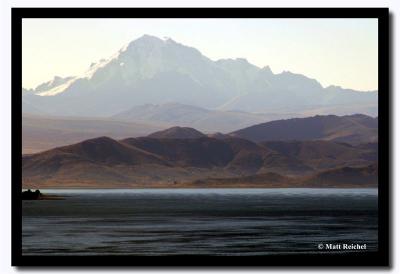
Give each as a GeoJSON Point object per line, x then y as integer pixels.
{"type": "Point", "coordinates": [199, 221]}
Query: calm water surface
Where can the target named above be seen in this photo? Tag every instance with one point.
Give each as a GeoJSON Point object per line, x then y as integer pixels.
{"type": "Point", "coordinates": [199, 221]}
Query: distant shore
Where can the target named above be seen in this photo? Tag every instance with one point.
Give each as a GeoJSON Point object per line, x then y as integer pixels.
{"type": "Point", "coordinates": [48, 197]}
{"type": "Point", "coordinates": [37, 195]}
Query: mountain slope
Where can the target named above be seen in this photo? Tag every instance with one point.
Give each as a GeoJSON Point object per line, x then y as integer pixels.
{"type": "Point", "coordinates": [150, 70]}
{"type": "Point", "coordinates": [346, 177]}
{"type": "Point", "coordinates": [324, 154]}
{"type": "Point", "coordinates": [101, 150]}
{"type": "Point", "coordinates": [52, 85]}
{"type": "Point", "coordinates": [291, 92]}
{"type": "Point", "coordinates": [200, 152]}
{"type": "Point", "coordinates": [351, 129]}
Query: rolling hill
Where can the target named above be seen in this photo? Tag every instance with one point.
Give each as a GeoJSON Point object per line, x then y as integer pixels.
{"type": "Point", "coordinates": [352, 129]}
{"type": "Point", "coordinates": [177, 133]}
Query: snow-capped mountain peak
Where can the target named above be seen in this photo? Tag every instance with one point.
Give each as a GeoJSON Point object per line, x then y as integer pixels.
{"type": "Point", "coordinates": [157, 71]}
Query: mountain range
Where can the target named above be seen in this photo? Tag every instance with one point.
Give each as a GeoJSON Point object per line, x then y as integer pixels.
{"type": "Point", "coordinates": [150, 70]}
{"type": "Point", "coordinates": [186, 157]}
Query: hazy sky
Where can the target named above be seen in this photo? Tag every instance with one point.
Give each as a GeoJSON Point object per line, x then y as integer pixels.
{"type": "Point", "coordinates": [340, 52]}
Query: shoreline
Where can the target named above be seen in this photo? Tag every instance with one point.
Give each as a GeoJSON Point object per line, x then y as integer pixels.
{"type": "Point", "coordinates": [51, 197]}
{"type": "Point", "coordinates": [236, 187]}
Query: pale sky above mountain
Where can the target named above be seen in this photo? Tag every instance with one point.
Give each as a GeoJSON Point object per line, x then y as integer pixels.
{"type": "Point", "coordinates": [340, 52]}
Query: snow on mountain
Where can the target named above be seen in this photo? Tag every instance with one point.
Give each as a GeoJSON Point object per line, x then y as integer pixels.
{"type": "Point", "coordinates": [52, 87]}
{"type": "Point", "coordinates": [150, 70]}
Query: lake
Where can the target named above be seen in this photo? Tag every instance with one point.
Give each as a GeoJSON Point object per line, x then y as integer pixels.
{"type": "Point", "coordinates": [199, 221]}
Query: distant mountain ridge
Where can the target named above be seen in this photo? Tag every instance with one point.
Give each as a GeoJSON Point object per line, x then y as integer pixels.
{"type": "Point", "coordinates": [206, 120]}
{"type": "Point", "coordinates": [41, 133]}
{"type": "Point", "coordinates": [355, 128]}
{"type": "Point", "coordinates": [150, 70]}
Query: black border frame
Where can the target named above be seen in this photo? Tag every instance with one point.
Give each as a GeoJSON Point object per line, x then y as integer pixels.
{"type": "Point", "coordinates": [379, 258]}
